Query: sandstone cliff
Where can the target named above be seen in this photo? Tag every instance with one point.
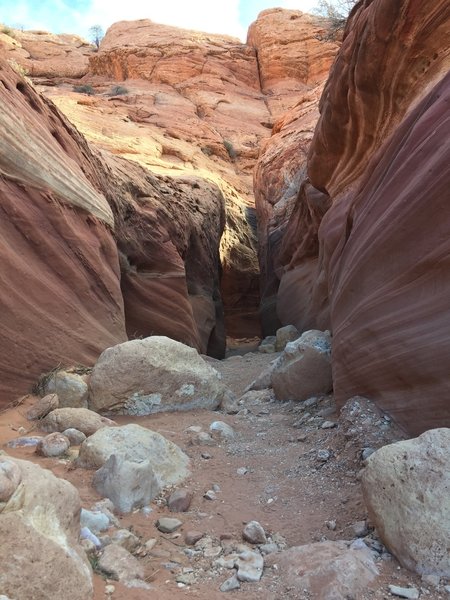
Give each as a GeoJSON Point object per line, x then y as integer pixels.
{"type": "Point", "coordinates": [373, 267]}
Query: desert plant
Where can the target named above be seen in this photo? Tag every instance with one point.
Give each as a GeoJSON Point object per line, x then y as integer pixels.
{"type": "Point", "coordinates": [230, 149]}
{"type": "Point", "coordinates": [19, 69]}
{"type": "Point", "coordinates": [96, 35]}
{"type": "Point", "coordinates": [118, 90]}
{"type": "Point", "coordinates": [84, 89]}
{"type": "Point", "coordinates": [336, 12]}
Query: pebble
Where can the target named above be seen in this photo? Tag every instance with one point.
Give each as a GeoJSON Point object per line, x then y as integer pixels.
{"type": "Point", "coordinates": [268, 548]}
{"type": "Point", "coordinates": [168, 525]}
{"type": "Point", "coordinates": [206, 455]}
{"type": "Point", "coordinates": [323, 455]}
{"type": "Point", "coordinates": [126, 539]}
{"type": "Point", "coordinates": [109, 589]}
{"type": "Point", "coordinates": [204, 439]}
{"type": "Point", "coordinates": [186, 578]}
{"type": "Point", "coordinates": [210, 495]}
{"type": "Point", "coordinates": [230, 584]}
{"type": "Point", "coordinates": [215, 487]}
{"type": "Point", "coordinates": [360, 529]}
{"type": "Point", "coordinates": [254, 533]}
{"type": "Point", "coordinates": [179, 501]}
{"type": "Point", "coordinates": [192, 537]}
{"type": "Point", "coordinates": [150, 544]}
{"type": "Point", "coordinates": [221, 430]}
{"type": "Point", "coordinates": [242, 471]}
{"type": "Point", "coordinates": [328, 425]}
{"type": "Point", "coordinates": [401, 592]}
{"type": "Point", "coordinates": [331, 525]}
{"type": "Point", "coordinates": [366, 452]}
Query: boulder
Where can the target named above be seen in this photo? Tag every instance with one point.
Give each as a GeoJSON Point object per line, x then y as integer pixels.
{"type": "Point", "coordinates": [136, 444]}
{"type": "Point", "coordinates": [10, 478]}
{"type": "Point", "coordinates": [52, 445]}
{"type": "Point", "coordinates": [304, 368]}
{"type": "Point", "coordinates": [86, 421]}
{"type": "Point", "coordinates": [406, 489]}
{"type": "Point", "coordinates": [74, 436]}
{"type": "Point", "coordinates": [119, 564]}
{"type": "Point", "coordinates": [152, 375]}
{"type": "Point", "coordinates": [42, 407]}
{"type": "Point", "coordinates": [71, 388]}
{"type": "Point", "coordinates": [325, 570]}
{"type": "Point", "coordinates": [126, 483]}
{"type": "Point", "coordinates": [285, 334]}
{"type": "Point", "coordinates": [40, 523]}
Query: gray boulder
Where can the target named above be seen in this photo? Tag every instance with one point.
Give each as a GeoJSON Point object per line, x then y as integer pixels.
{"type": "Point", "coordinates": [86, 421]}
{"type": "Point", "coordinates": [127, 484]}
{"type": "Point", "coordinates": [71, 388]}
{"type": "Point", "coordinates": [406, 488]}
{"type": "Point", "coordinates": [285, 334]}
{"type": "Point", "coordinates": [156, 374]}
{"type": "Point", "coordinates": [304, 368]}
{"type": "Point", "coordinates": [136, 444]}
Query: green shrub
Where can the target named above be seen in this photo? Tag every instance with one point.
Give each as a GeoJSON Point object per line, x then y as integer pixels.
{"type": "Point", "coordinates": [230, 149]}
{"type": "Point", "coordinates": [84, 89]}
{"type": "Point", "coordinates": [118, 90]}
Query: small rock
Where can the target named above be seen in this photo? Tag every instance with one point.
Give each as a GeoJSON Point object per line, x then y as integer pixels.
{"type": "Point", "coordinates": [328, 424]}
{"type": "Point", "coordinates": [150, 544]}
{"type": "Point", "coordinates": [194, 429]}
{"type": "Point", "coordinates": [221, 430]}
{"type": "Point", "coordinates": [250, 566]}
{"type": "Point", "coordinates": [86, 534]}
{"type": "Point", "coordinates": [254, 533]}
{"type": "Point", "coordinates": [242, 471]}
{"type": "Point", "coordinates": [168, 524]}
{"type": "Point", "coordinates": [267, 346]}
{"type": "Point", "coordinates": [120, 564]}
{"type": "Point", "coordinates": [323, 455]}
{"type": "Point", "coordinates": [74, 436]}
{"type": "Point", "coordinates": [215, 487]}
{"type": "Point", "coordinates": [192, 537]}
{"type": "Point", "coordinates": [284, 335]}
{"type": "Point", "coordinates": [126, 539]}
{"type": "Point", "coordinates": [186, 578]}
{"type": "Point", "coordinates": [366, 452]}
{"type": "Point", "coordinates": [401, 592]}
{"type": "Point", "coordinates": [210, 495]}
{"type": "Point", "coordinates": [432, 579]}
{"type": "Point", "coordinates": [95, 521]}
{"type": "Point", "coordinates": [230, 584]}
{"type": "Point", "coordinates": [25, 441]}
{"type": "Point", "coordinates": [54, 444]}
{"type": "Point", "coordinates": [179, 501]}
{"type": "Point", "coordinates": [360, 529]}
{"type": "Point", "coordinates": [268, 548]}
{"type": "Point", "coordinates": [203, 439]}
{"type": "Point", "coordinates": [109, 589]}
{"type": "Point", "coordinates": [42, 407]}
{"type": "Point", "coordinates": [331, 525]}
{"type": "Point", "coordinates": [206, 455]}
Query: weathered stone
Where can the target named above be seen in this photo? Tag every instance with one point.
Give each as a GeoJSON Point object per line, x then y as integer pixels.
{"type": "Point", "coordinates": [284, 335]}
{"type": "Point", "coordinates": [119, 564]}
{"type": "Point", "coordinates": [230, 584]}
{"type": "Point", "coordinates": [71, 389]}
{"type": "Point", "coordinates": [304, 368]}
{"type": "Point", "coordinates": [126, 539]}
{"type": "Point", "coordinates": [221, 431]}
{"type": "Point", "coordinates": [136, 444]}
{"type": "Point", "coordinates": [405, 488]}
{"type": "Point", "coordinates": [74, 436]}
{"type": "Point", "coordinates": [42, 407]}
{"type": "Point", "coordinates": [82, 419]}
{"type": "Point", "coordinates": [95, 521]}
{"type": "Point", "coordinates": [254, 533]}
{"type": "Point", "coordinates": [325, 570]}
{"type": "Point", "coordinates": [250, 566]}
{"type": "Point", "coordinates": [126, 483]}
{"type": "Point", "coordinates": [179, 501]}
{"type": "Point", "coordinates": [168, 524]}
{"type": "Point", "coordinates": [10, 478]}
{"type": "Point", "coordinates": [39, 526]}
{"type": "Point", "coordinates": [402, 592]}
{"type": "Point", "coordinates": [151, 375]}
{"type": "Point", "coordinates": [203, 439]}
{"type": "Point", "coordinates": [192, 537]}
{"type": "Point", "coordinates": [54, 444]}
{"type": "Point", "coordinates": [27, 441]}
{"type": "Point", "coordinates": [268, 345]}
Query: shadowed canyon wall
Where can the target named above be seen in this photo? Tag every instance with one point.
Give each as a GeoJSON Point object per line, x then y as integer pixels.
{"type": "Point", "coordinates": [365, 248]}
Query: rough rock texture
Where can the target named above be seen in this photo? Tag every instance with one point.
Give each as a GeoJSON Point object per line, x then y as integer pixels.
{"type": "Point", "coordinates": [54, 444]}
{"type": "Point", "coordinates": [155, 374]}
{"type": "Point", "coordinates": [127, 484]}
{"type": "Point", "coordinates": [71, 389]}
{"type": "Point", "coordinates": [44, 54]}
{"type": "Point", "coordinates": [378, 157]}
{"type": "Point", "coordinates": [304, 367]}
{"type": "Point", "coordinates": [325, 570]}
{"type": "Point", "coordinates": [40, 525]}
{"type": "Point", "coordinates": [86, 421]}
{"type": "Point", "coordinates": [42, 407]}
{"type": "Point", "coordinates": [137, 444]}
{"type": "Point", "coordinates": [406, 489]}
{"type": "Point", "coordinates": [118, 563]}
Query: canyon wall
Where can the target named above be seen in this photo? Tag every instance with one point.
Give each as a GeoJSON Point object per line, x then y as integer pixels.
{"type": "Point", "coordinates": [365, 248]}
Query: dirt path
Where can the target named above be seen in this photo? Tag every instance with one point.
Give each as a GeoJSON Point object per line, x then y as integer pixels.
{"type": "Point", "coordinates": [270, 472]}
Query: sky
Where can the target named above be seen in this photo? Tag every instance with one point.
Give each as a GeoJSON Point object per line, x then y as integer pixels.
{"type": "Point", "coordinates": [231, 17]}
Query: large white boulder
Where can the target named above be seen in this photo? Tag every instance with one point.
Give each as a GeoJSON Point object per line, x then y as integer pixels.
{"type": "Point", "coordinates": [153, 375]}
{"type": "Point", "coordinates": [406, 488]}
{"type": "Point", "coordinates": [40, 557]}
{"type": "Point", "coordinates": [136, 444]}
{"type": "Point", "coordinates": [304, 368]}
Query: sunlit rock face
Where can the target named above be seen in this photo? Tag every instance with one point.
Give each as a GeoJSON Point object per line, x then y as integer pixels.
{"type": "Point", "coordinates": [364, 248]}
